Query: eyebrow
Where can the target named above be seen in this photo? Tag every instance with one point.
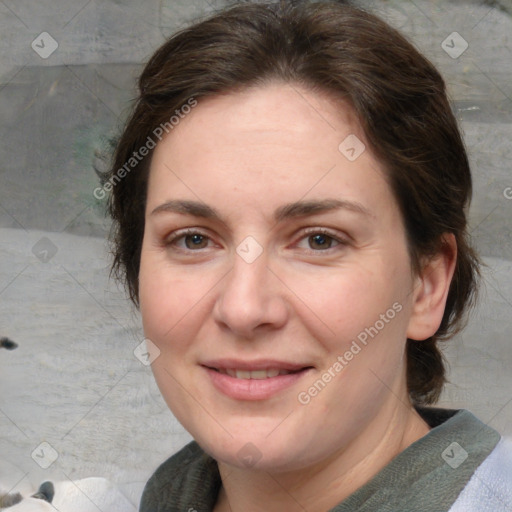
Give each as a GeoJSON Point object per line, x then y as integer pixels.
{"type": "Point", "coordinates": [287, 211]}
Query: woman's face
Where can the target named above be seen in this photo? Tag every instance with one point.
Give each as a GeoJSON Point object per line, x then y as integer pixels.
{"type": "Point", "coordinates": [268, 246]}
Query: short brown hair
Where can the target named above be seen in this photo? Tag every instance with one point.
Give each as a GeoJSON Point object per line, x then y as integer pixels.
{"type": "Point", "coordinates": [400, 100]}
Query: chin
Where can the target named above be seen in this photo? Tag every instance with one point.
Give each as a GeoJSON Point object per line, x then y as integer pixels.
{"type": "Point", "coordinates": [250, 451]}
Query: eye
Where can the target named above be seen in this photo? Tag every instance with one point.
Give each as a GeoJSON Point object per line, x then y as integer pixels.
{"type": "Point", "coordinates": [320, 239]}
{"type": "Point", "coordinates": [192, 239]}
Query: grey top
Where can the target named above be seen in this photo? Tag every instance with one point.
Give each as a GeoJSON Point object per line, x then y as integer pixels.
{"type": "Point", "coordinates": [426, 477]}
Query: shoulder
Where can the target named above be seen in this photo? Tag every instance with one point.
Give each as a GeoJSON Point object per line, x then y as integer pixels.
{"type": "Point", "coordinates": [490, 487]}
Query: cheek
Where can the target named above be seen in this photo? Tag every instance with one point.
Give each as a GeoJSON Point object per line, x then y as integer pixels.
{"type": "Point", "coordinates": [358, 311]}
{"type": "Point", "coordinates": [161, 308]}
{"type": "Point", "coordinates": [343, 301]}
{"type": "Point", "coordinates": [172, 302]}
{"type": "Point", "coordinates": [160, 297]}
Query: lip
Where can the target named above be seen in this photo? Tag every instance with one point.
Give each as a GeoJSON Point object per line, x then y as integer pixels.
{"type": "Point", "coordinates": [258, 364]}
{"type": "Point", "coordinates": [254, 389]}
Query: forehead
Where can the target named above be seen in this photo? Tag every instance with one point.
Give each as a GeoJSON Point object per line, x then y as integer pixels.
{"type": "Point", "coordinates": [267, 146]}
{"type": "Point", "coordinates": [288, 110]}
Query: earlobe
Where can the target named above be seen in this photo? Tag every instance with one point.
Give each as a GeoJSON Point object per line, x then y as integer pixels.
{"type": "Point", "coordinates": [431, 291]}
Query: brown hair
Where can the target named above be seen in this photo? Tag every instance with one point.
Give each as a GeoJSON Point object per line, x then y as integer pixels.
{"type": "Point", "coordinates": [331, 47]}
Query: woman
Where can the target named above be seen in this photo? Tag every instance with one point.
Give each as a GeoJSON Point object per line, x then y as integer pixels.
{"type": "Point", "coordinates": [289, 197]}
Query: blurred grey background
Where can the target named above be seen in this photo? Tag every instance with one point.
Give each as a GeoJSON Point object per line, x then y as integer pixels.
{"type": "Point", "coordinates": [67, 78]}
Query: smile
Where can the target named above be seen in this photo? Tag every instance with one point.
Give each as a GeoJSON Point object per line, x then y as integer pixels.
{"type": "Point", "coordinates": [249, 381]}
{"type": "Point", "coordinates": [255, 374]}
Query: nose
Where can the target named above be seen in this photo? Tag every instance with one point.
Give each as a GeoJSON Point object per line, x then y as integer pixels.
{"type": "Point", "coordinates": [251, 299]}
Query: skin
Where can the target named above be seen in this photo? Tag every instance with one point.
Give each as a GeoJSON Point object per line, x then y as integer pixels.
{"type": "Point", "coordinates": [304, 299]}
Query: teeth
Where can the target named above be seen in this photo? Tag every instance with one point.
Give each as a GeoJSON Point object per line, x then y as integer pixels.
{"type": "Point", "coordinates": [260, 374]}
{"type": "Point", "coordinates": [256, 374]}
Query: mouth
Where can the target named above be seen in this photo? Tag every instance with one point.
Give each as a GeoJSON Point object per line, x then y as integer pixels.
{"type": "Point", "coordinates": [256, 374]}
{"type": "Point", "coordinates": [257, 380]}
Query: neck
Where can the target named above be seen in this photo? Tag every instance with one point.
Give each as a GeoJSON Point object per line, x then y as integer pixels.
{"type": "Point", "coordinates": [329, 482]}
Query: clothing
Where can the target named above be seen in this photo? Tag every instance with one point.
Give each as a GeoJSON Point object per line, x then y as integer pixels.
{"type": "Point", "coordinates": [461, 465]}
{"type": "Point", "coordinates": [490, 488]}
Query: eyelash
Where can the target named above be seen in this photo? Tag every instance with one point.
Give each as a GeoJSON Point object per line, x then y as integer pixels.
{"type": "Point", "coordinates": [341, 242]}
{"type": "Point", "coordinates": [307, 233]}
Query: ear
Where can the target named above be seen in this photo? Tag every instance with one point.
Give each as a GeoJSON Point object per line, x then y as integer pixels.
{"type": "Point", "coordinates": [431, 291]}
